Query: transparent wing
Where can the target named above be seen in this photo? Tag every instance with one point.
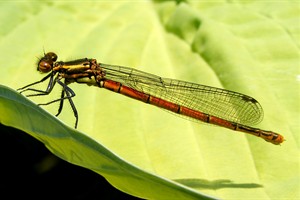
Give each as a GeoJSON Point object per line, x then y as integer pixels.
{"type": "Point", "coordinates": [225, 104]}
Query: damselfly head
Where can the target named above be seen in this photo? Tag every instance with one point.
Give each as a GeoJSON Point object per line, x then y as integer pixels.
{"type": "Point", "coordinates": [46, 63]}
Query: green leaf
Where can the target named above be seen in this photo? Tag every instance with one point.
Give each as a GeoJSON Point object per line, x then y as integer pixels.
{"type": "Point", "coordinates": [77, 148]}
{"type": "Point", "coordinates": [248, 47]}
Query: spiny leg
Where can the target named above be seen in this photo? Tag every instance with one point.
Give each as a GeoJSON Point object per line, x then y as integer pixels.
{"type": "Point", "coordinates": [50, 86]}
{"type": "Point", "coordinates": [69, 95]}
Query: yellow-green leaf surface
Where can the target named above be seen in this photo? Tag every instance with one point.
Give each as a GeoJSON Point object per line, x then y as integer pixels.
{"type": "Point", "coordinates": [249, 47]}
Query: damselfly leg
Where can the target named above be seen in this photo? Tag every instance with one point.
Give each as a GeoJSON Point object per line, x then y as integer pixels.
{"type": "Point", "coordinates": [66, 93]}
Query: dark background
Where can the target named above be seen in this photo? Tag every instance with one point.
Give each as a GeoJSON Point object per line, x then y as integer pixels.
{"type": "Point", "coordinates": [29, 170]}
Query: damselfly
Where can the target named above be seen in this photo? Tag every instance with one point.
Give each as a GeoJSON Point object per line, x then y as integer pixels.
{"type": "Point", "coordinates": [212, 105]}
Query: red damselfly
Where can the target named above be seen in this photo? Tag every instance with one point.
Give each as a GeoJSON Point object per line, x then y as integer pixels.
{"type": "Point", "coordinates": [208, 104]}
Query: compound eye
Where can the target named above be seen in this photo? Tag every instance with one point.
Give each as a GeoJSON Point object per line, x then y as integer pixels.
{"type": "Point", "coordinates": [52, 56]}
{"type": "Point", "coordinates": [45, 66]}
{"type": "Point", "coordinates": [46, 63]}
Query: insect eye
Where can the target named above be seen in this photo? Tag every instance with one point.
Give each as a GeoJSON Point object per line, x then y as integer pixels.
{"type": "Point", "coordinates": [46, 63]}
{"type": "Point", "coordinates": [52, 56]}
{"type": "Point", "coordinates": [45, 66]}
